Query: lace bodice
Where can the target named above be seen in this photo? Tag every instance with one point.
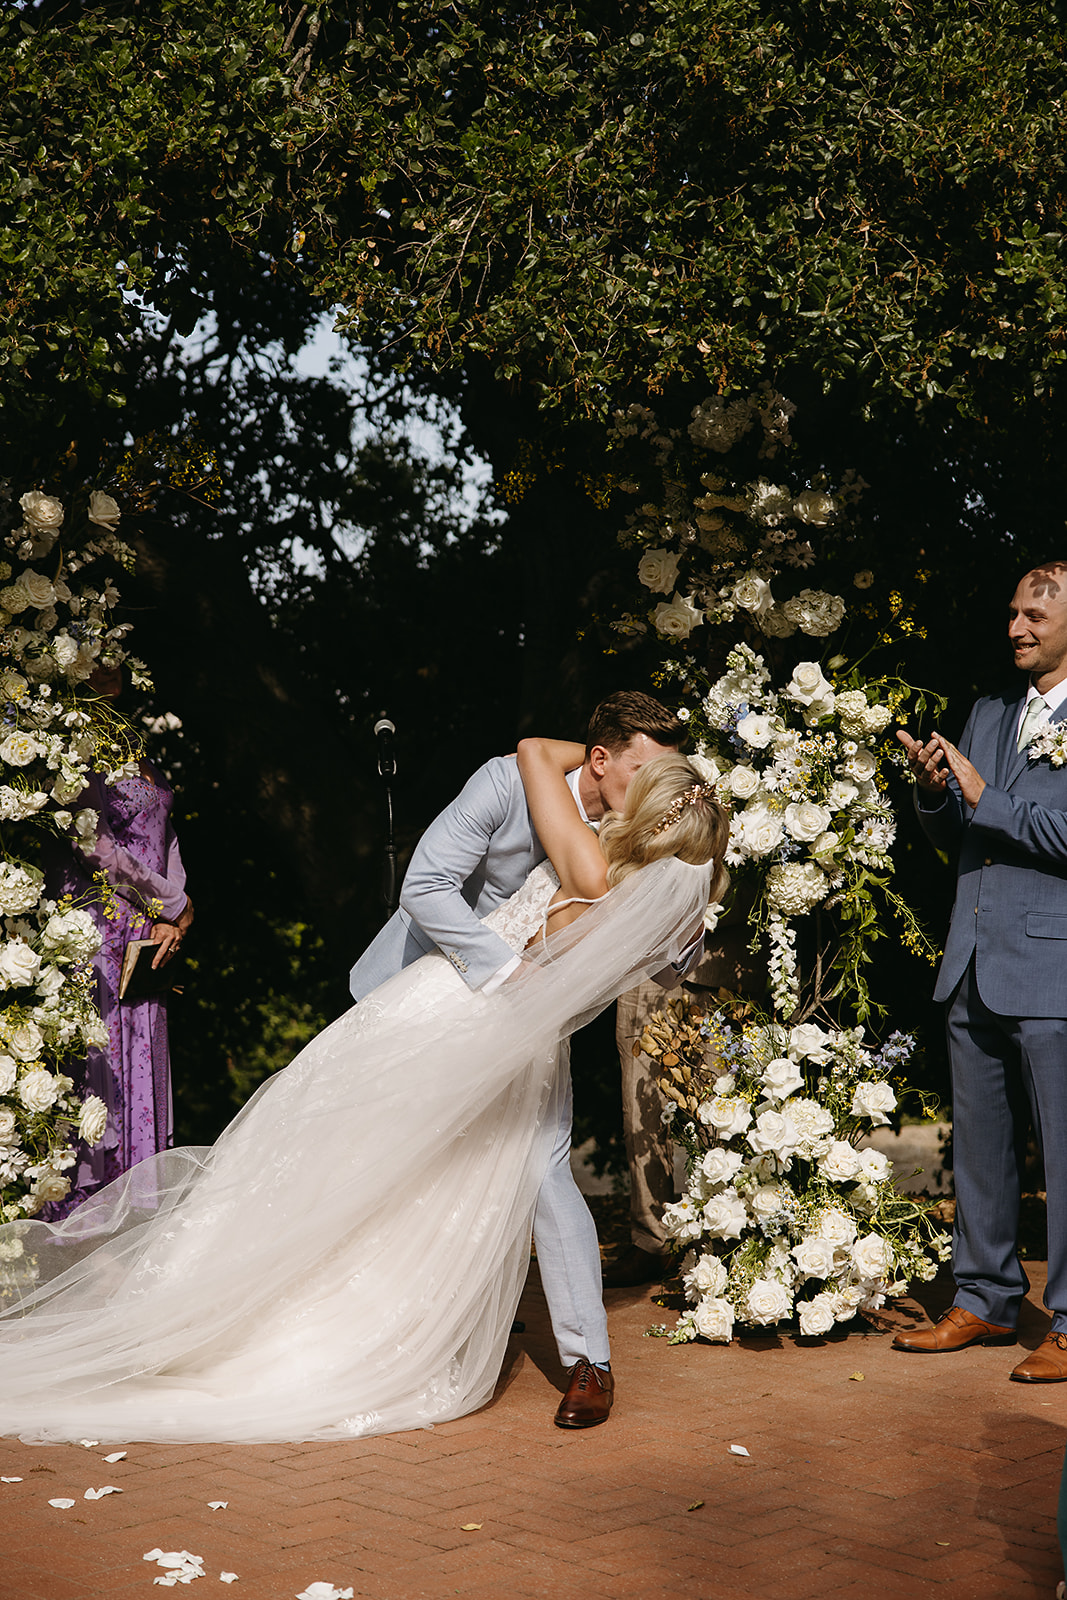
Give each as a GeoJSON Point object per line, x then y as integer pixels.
{"type": "Point", "coordinates": [519, 918]}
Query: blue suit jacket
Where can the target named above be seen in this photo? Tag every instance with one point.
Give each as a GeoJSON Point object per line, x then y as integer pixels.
{"type": "Point", "coordinates": [471, 859]}
{"type": "Point", "coordinates": [1011, 895]}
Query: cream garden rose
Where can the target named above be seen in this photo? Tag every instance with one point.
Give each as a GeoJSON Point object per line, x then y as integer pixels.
{"type": "Point", "coordinates": [42, 511]}
{"type": "Point", "coordinates": [677, 618]}
{"type": "Point", "coordinates": [38, 1089]}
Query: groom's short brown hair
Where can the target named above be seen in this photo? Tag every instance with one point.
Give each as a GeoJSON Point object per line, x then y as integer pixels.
{"type": "Point", "coordinates": [622, 715]}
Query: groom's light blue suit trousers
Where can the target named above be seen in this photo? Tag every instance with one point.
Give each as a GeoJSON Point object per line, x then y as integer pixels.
{"type": "Point", "coordinates": [568, 1254]}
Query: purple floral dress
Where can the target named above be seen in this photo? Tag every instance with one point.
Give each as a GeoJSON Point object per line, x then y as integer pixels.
{"type": "Point", "coordinates": [137, 849]}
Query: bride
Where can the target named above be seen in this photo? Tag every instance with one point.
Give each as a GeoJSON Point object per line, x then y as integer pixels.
{"type": "Point", "coordinates": [348, 1257]}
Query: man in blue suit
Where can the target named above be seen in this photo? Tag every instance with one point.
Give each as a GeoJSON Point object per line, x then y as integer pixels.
{"type": "Point", "coordinates": [470, 860]}
{"type": "Point", "coordinates": [1001, 799]}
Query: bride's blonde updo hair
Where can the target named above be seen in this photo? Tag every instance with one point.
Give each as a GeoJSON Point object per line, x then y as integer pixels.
{"type": "Point", "coordinates": [670, 811]}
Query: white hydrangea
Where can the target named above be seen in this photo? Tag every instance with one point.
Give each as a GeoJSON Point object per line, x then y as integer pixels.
{"type": "Point", "coordinates": [794, 887]}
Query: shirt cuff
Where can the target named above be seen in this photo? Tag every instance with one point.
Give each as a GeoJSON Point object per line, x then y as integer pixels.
{"type": "Point", "coordinates": [501, 976]}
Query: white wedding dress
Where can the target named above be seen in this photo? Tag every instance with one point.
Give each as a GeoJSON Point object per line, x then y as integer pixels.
{"type": "Point", "coordinates": [347, 1259]}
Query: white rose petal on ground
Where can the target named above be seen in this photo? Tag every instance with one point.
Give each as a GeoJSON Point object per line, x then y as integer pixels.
{"type": "Point", "coordinates": [227, 1577]}
{"type": "Point", "coordinates": [180, 1566]}
{"type": "Point", "coordinates": [738, 1450]}
{"type": "Point", "coordinates": [89, 1444]}
{"type": "Point", "coordinates": [10, 1480]}
{"type": "Point", "coordinates": [116, 1455]}
{"type": "Point", "coordinates": [61, 1505]}
{"type": "Point", "coordinates": [98, 1494]}
{"type": "Point", "coordinates": [324, 1591]}
{"type": "Point", "coordinates": [217, 1505]}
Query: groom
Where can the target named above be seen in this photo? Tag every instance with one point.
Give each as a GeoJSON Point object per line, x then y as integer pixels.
{"type": "Point", "coordinates": [471, 858]}
{"type": "Point", "coordinates": [1001, 801]}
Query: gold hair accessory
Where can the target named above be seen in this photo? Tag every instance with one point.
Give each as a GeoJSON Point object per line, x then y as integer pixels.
{"type": "Point", "coordinates": [699, 791]}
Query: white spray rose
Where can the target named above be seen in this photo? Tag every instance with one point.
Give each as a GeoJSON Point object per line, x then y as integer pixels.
{"type": "Point", "coordinates": [804, 820]}
{"type": "Point", "coordinates": [815, 507]}
{"type": "Point", "coordinates": [19, 965]}
{"type": "Point", "coordinates": [103, 510]}
{"type": "Point", "coordinates": [780, 1077]}
{"type": "Point", "coordinates": [872, 1256]}
{"type": "Point", "coordinates": [714, 1320]}
{"type": "Point", "coordinates": [25, 1042]}
{"type": "Point", "coordinates": [676, 619]}
{"type": "Point", "coordinates": [873, 1100]}
{"type": "Point", "coordinates": [743, 781]}
{"type": "Point", "coordinates": [728, 1114]}
{"type": "Point", "coordinates": [50, 1186]}
{"type": "Point", "coordinates": [41, 511]}
{"type": "Point", "coordinates": [813, 1122]}
{"type": "Point", "coordinates": [774, 1135]}
{"type": "Point", "coordinates": [836, 1227]}
{"type": "Point", "coordinates": [37, 588]}
{"type": "Point", "coordinates": [725, 1216]}
{"type": "Point", "coordinates": [38, 1089]}
{"type": "Point", "coordinates": [20, 748]}
{"type": "Point", "coordinates": [752, 593]}
{"type": "Point", "coordinates": [841, 1163]}
{"type": "Point", "coordinates": [861, 766]}
{"type": "Point", "coordinates": [761, 828]}
{"type": "Point", "coordinates": [707, 767]}
{"type": "Point", "coordinates": [814, 1257]}
{"type": "Point", "coordinates": [708, 1276]}
{"type": "Point", "coordinates": [92, 1119]}
{"type": "Point", "coordinates": [816, 1316]}
{"type": "Point", "coordinates": [658, 571]}
{"type": "Point", "coordinates": [768, 1301]}
{"type": "Point", "coordinates": [720, 1166]}
{"type": "Point", "coordinates": [765, 1201]}
{"type": "Point", "coordinates": [875, 1165]}
{"type": "Point", "coordinates": [809, 1042]}
{"type": "Point", "coordinates": [808, 684]}
{"type": "Point", "coordinates": [755, 729]}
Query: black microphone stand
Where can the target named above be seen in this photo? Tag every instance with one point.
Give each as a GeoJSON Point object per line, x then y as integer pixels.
{"type": "Point", "coordinates": [384, 730]}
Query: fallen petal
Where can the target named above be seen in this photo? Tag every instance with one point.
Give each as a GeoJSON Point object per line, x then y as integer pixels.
{"type": "Point", "coordinates": [98, 1494]}
{"type": "Point", "coordinates": [695, 1506]}
{"type": "Point", "coordinates": [217, 1505]}
{"type": "Point", "coordinates": [116, 1455]}
{"type": "Point", "coordinates": [324, 1591]}
{"type": "Point", "coordinates": [738, 1450]}
{"type": "Point", "coordinates": [469, 1527]}
{"type": "Point", "coordinates": [10, 1480]}
{"type": "Point", "coordinates": [856, 1377]}
{"type": "Point", "coordinates": [89, 1443]}
{"type": "Point", "coordinates": [61, 1505]}
{"type": "Point", "coordinates": [227, 1577]}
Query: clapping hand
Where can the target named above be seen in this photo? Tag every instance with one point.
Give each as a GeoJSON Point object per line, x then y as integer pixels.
{"type": "Point", "coordinates": [925, 761]}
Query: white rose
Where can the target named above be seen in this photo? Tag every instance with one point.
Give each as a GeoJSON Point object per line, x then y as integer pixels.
{"type": "Point", "coordinates": [841, 1163]}
{"type": "Point", "coordinates": [808, 684]}
{"type": "Point", "coordinates": [25, 1041]}
{"type": "Point", "coordinates": [873, 1100]}
{"type": "Point", "coordinates": [765, 1201]}
{"type": "Point", "coordinates": [743, 782]}
{"type": "Point", "coordinates": [725, 1216]}
{"type": "Point", "coordinates": [103, 510]}
{"type": "Point", "coordinates": [823, 848]}
{"type": "Point", "coordinates": [768, 1301]}
{"type": "Point", "coordinates": [794, 887]}
{"type": "Point", "coordinates": [816, 1315]}
{"type": "Point", "coordinates": [38, 1089]}
{"type": "Point", "coordinates": [9, 1127]}
{"type": "Point", "coordinates": [92, 1120]}
{"type": "Point", "coordinates": [707, 1277]}
{"type": "Point", "coordinates": [19, 749]}
{"type": "Point", "coordinates": [875, 1165]}
{"type": "Point", "coordinates": [714, 1319]}
{"type": "Point", "coordinates": [38, 588]}
{"type": "Point", "coordinates": [842, 793]}
{"type": "Point", "coordinates": [50, 1186]}
{"type": "Point", "coordinates": [677, 618]}
{"type": "Point", "coordinates": [682, 1220]}
{"type": "Point", "coordinates": [780, 1077]}
{"type": "Point", "coordinates": [85, 825]}
{"type": "Point", "coordinates": [720, 1166]}
{"type": "Point", "coordinates": [41, 511]}
{"type": "Point", "coordinates": [836, 1227]}
{"type": "Point", "coordinates": [814, 1257]}
{"type": "Point", "coordinates": [727, 1114]}
{"type": "Point", "coordinates": [809, 1042]}
{"type": "Point", "coordinates": [8, 1073]}
{"type": "Point", "coordinates": [872, 1256]}
{"type": "Point", "coordinates": [814, 507]}
{"type": "Point", "coordinates": [774, 1135]}
{"type": "Point", "coordinates": [19, 965]}
{"type": "Point", "coordinates": [755, 729]}
{"type": "Point", "coordinates": [726, 1083]}
{"type": "Point", "coordinates": [804, 820]}
{"type": "Point", "coordinates": [707, 767]}
{"type": "Point", "coordinates": [862, 766]}
{"type": "Point", "coordinates": [752, 593]}
{"type": "Point", "coordinates": [761, 828]}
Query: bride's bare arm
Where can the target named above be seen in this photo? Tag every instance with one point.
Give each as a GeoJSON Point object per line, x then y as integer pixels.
{"type": "Point", "coordinates": [570, 843]}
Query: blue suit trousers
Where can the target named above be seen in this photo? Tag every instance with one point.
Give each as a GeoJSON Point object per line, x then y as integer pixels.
{"type": "Point", "coordinates": [1000, 1066]}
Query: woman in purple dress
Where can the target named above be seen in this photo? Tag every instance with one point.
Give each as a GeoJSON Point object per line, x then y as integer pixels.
{"type": "Point", "coordinates": [137, 851]}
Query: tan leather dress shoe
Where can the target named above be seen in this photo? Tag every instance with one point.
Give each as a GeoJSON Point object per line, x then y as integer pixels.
{"type": "Point", "coordinates": [955, 1331]}
{"type": "Point", "coordinates": [1047, 1364]}
{"type": "Point", "coordinates": [590, 1392]}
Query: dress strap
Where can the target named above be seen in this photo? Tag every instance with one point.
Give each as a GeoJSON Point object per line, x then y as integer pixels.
{"type": "Point", "coordinates": [575, 900]}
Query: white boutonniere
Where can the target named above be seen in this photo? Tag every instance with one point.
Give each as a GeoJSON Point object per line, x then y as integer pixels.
{"type": "Point", "coordinates": [1050, 742]}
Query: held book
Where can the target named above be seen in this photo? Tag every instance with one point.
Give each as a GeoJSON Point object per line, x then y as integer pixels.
{"type": "Point", "coordinates": [138, 979]}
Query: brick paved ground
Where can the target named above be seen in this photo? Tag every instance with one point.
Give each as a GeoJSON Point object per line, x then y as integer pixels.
{"type": "Point", "coordinates": [927, 1476]}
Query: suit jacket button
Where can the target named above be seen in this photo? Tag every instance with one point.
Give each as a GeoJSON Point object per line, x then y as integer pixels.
{"type": "Point", "coordinates": [988, 862]}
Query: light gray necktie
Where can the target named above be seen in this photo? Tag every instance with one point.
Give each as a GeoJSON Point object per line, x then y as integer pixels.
{"type": "Point", "coordinates": [1033, 717]}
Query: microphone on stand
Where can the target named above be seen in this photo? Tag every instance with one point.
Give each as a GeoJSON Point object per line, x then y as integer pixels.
{"type": "Point", "coordinates": [384, 729]}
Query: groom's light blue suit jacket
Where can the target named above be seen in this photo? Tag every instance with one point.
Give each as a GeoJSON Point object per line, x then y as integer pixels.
{"type": "Point", "coordinates": [484, 846]}
{"type": "Point", "coordinates": [1011, 896]}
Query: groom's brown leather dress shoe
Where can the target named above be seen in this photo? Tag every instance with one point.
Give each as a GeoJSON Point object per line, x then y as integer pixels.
{"type": "Point", "coordinates": [590, 1392]}
{"type": "Point", "coordinates": [634, 1266]}
{"type": "Point", "coordinates": [1047, 1364]}
{"type": "Point", "coordinates": [955, 1331]}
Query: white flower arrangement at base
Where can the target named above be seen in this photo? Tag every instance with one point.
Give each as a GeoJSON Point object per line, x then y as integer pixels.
{"type": "Point", "coordinates": [784, 1216]}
